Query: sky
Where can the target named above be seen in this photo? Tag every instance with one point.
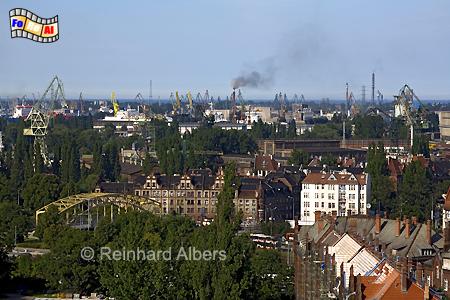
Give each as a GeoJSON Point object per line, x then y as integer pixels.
{"type": "Point", "coordinates": [299, 47]}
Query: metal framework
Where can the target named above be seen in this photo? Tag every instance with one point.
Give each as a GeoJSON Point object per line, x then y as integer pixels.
{"type": "Point", "coordinates": [71, 203]}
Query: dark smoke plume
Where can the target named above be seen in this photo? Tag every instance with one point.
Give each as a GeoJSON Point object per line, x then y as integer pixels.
{"type": "Point", "coordinates": [253, 79]}
{"type": "Point", "coordinates": [259, 75]}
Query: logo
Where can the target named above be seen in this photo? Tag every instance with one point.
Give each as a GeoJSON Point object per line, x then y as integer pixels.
{"type": "Point", "coordinates": [25, 24]}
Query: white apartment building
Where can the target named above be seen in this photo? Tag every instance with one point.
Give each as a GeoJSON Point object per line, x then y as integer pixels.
{"type": "Point", "coordinates": [339, 191]}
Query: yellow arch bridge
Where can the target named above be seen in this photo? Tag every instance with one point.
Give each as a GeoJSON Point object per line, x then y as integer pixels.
{"type": "Point", "coordinates": [85, 204]}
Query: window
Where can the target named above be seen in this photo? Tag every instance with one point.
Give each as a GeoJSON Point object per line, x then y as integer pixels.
{"type": "Point", "coordinates": [351, 205]}
{"type": "Point", "coordinates": [362, 196]}
{"type": "Point", "coordinates": [352, 187]}
{"type": "Point", "coordinates": [306, 186]}
{"type": "Point", "coordinates": [429, 280]}
{"type": "Point", "coordinates": [153, 185]}
{"type": "Point", "coordinates": [306, 204]}
{"type": "Point", "coordinates": [323, 204]}
{"type": "Point", "coordinates": [306, 195]}
{"type": "Point", "coordinates": [329, 205]}
{"type": "Point", "coordinates": [333, 205]}
{"type": "Point", "coordinates": [322, 196]}
{"type": "Point", "coordinates": [446, 285]}
{"type": "Point", "coordinates": [317, 187]}
{"type": "Point", "coordinates": [323, 186]}
{"type": "Point", "coordinates": [363, 187]}
{"type": "Point", "coordinates": [437, 272]}
{"type": "Point", "coordinates": [316, 204]}
{"type": "Point", "coordinates": [316, 195]}
{"type": "Point", "coordinates": [361, 205]}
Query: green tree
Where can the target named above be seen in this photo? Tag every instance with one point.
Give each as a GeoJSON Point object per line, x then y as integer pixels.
{"type": "Point", "coordinates": [415, 196]}
{"type": "Point", "coordinates": [62, 268]}
{"type": "Point", "coordinates": [232, 277]}
{"type": "Point", "coordinates": [381, 184]}
{"type": "Point", "coordinates": [47, 219]}
{"type": "Point", "coordinates": [274, 279]}
{"type": "Point", "coordinates": [40, 190]}
{"type": "Point", "coordinates": [14, 223]}
{"type": "Point", "coordinates": [145, 279]}
{"type": "Point", "coordinates": [298, 158]}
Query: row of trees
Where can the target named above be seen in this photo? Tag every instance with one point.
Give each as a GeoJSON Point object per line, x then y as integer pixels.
{"type": "Point", "coordinates": [27, 183]}
{"type": "Point", "coordinates": [245, 272]}
{"type": "Point", "coordinates": [412, 195]}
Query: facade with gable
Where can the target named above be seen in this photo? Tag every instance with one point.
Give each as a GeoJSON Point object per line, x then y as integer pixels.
{"type": "Point", "coordinates": [341, 191]}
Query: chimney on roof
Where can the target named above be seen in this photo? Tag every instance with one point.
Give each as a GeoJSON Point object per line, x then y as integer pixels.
{"type": "Point", "coordinates": [414, 220]}
{"type": "Point", "coordinates": [319, 220]}
{"type": "Point", "coordinates": [377, 224]}
{"type": "Point", "coordinates": [317, 215]}
{"type": "Point", "coordinates": [397, 227]}
{"type": "Point", "coordinates": [429, 232]}
{"type": "Point", "coordinates": [426, 292]}
{"type": "Point", "coordinates": [351, 281]}
{"type": "Point", "coordinates": [407, 229]}
{"type": "Point", "coordinates": [403, 276]}
{"type": "Point", "coordinates": [447, 237]}
{"type": "Point", "coordinates": [341, 286]}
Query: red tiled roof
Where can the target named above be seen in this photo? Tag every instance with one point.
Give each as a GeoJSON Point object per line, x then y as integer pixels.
{"type": "Point", "coordinates": [265, 163]}
{"type": "Point", "coordinates": [390, 288]}
{"type": "Point", "coordinates": [395, 167]}
{"type": "Point", "coordinates": [423, 161]}
{"type": "Point", "coordinates": [326, 178]}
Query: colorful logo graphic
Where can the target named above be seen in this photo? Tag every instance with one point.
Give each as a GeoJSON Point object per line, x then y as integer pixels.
{"type": "Point", "coordinates": [25, 24]}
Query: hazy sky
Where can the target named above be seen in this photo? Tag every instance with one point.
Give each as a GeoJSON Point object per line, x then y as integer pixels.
{"type": "Point", "coordinates": [305, 47]}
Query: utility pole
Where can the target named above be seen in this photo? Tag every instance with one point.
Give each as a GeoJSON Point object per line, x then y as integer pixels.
{"type": "Point", "coordinates": [363, 91]}
{"type": "Point", "coordinates": [346, 100]}
{"type": "Point", "coordinates": [373, 89]}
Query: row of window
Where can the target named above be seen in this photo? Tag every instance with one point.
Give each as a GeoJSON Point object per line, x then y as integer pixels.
{"type": "Point", "coordinates": [191, 210]}
{"type": "Point", "coordinates": [188, 202]}
{"type": "Point", "coordinates": [165, 193]}
{"type": "Point", "coordinates": [188, 185]}
{"type": "Point", "coordinates": [332, 187]}
{"type": "Point", "coordinates": [331, 196]}
{"type": "Point", "coordinates": [331, 205]}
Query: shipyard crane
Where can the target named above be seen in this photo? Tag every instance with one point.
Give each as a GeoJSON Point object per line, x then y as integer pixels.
{"type": "Point", "coordinates": [178, 101]}
{"type": "Point", "coordinates": [174, 105]}
{"type": "Point", "coordinates": [206, 97]}
{"type": "Point", "coordinates": [404, 107]}
{"type": "Point", "coordinates": [80, 104]}
{"type": "Point", "coordinates": [191, 103]}
{"type": "Point", "coordinates": [115, 104]}
{"type": "Point", "coordinates": [379, 97]}
{"type": "Point", "coordinates": [140, 100]}
{"type": "Point", "coordinates": [40, 114]}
